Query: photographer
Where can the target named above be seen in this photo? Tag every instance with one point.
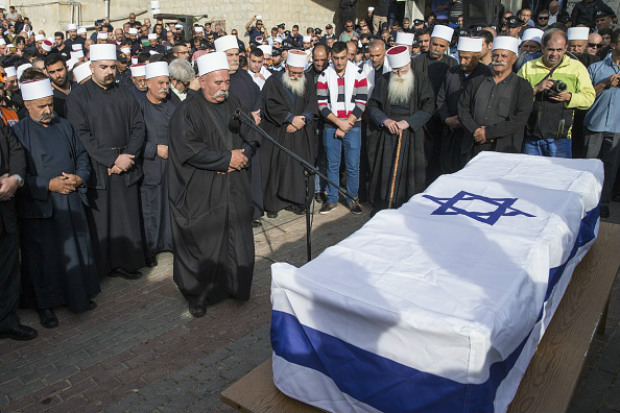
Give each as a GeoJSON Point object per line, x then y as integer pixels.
{"type": "Point", "coordinates": [561, 85]}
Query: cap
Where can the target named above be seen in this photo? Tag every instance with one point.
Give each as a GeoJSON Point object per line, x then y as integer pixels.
{"type": "Point", "coordinates": [102, 52]}
{"type": "Point", "coordinates": [134, 60]}
{"type": "Point", "coordinates": [71, 62]}
{"type": "Point", "coordinates": [178, 26]}
{"type": "Point", "coordinates": [469, 44]}
{"type": "Point", "coordinates": [266, 49]}
{"type": "Point", "coordinates": [398, 56]}
{"type": "Point", "coordinates": [307, 39]}
{"type": "Point", "coordinates": [21, 68]}
{"type": "Point", "coordinates": [212, 62]}
{"type": "Point", "coordinates": [77, 54]}
{"type": "Point", "coordinates": [39, 37]}
{"type": "Point", "coordinates": [156, 69]}
{"type": "Point", "coordinates": [122, 57]}
{"type": "Point", "coordinates": [534, 35]}
{"type": "Point", "coordinates": [36, 89]}
{"type": "Point", "coordinates": [47, 45]}
{"type": "Point", "coordinates": [132, 30]}
{"type": "Point", "coordinates": [82, 72]}
{"type": "Point", "coordinates": [138, 70]}
{"type": "Point", "coordinates": [72, 26]}
{"type": "Point", "coordinates": [225, 43]}
{"type": "Point", "coordinates": [371, 9]}
{"type": "Point", "coordinates": [578, 33]}
{"type": "Point", "coordinates": [418, 22]}
{"type": "Point", "coordinates": [126, 50]}
{"type": "Point", "coordinates": [329, 26]}
{"type": "Point", "coordinates": [404, 38]}
{"type": "Point", "coordinates": [443, 32]}
{"type": "Point", "coordinates": [77, 46]}
{"type": "Point", "coordinates": [602, 13]}
{"type": "Point", "coordinates": [514, 22]}
{"type": "Point", "coordinates": [81, 30]}
{"type": "Point", "coordinates": [296, 58]}
{"type": "Point", "coordinates": [199, 29]}
{"type": "Point", "coordinates": [10, 71]}
{"type": "Point", "coordinates": [506, 43]}
{"type": "Point", "coordinates": [102, 35]}
{"type": "Point", "coordinates": [152, 36]}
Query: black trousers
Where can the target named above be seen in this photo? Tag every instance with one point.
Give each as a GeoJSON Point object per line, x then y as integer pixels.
{"type": "Point", "coordinates": [9, 280]}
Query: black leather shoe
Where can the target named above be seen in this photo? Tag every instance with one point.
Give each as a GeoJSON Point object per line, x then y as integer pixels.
{"type": "Point", "coordinates": [91, 305]}
{"type": "Point", "coordinates": [19, 332]}
{"type": "Point", "coordinates": [151, 261]}
{"type": "Point", "coordinates": [197, 310]}
{"type": "Point", "coordinates": [297, 209]}
{"type": "Point", "coordinates": [327, 208]}
{"type": "Point", "coordinates": [256, 223]}
{"type": "Point", "coordinates": [272, 215]}
{"type": "Point", "coordinates": [48, 318]}
{"type": "Point", "coordinates": [126, 274]}
{"type": "Point", "coordinates": [605, 211]}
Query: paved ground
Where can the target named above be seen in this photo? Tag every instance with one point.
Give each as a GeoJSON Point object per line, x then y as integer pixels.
{"type": "Point", "coordinates": [141, 351]}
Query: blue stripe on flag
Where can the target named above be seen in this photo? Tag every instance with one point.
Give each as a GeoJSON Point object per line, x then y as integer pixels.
{"type": "Point", "coordinates": [389, 386]}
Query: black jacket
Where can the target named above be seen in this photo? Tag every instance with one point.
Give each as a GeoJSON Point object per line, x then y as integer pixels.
{"type": "Point", "coordinates": [13, 161]}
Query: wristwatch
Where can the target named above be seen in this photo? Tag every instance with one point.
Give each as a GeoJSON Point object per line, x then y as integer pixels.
{"type": "Point", "coordinates": [20, 180]}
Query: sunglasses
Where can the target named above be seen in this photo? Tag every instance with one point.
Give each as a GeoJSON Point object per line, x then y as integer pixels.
{"type": "Point", "coordinates": [595, 45]}
{"type": "Point", "coordinates": [543, 18]}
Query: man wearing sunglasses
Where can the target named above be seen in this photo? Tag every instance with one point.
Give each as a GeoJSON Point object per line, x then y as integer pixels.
{"type": "Point", "coordinates": [595, 43]}
{"type": "Point", "coordinates": [542, 21]}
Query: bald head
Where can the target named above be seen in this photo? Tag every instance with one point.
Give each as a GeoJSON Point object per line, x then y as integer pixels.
{"type": "Point", "coordinates": [377, 44]}
{"type": "Point", "coordinates": [377, 53]}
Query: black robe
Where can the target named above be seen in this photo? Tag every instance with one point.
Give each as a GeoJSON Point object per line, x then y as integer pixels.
{"type": "Point", "coordinates": [211, 210]}
{"type": "Point", "coordinates": [109, 122]}
{"type": "Point", "coordinates": [411, 167]}
{"type": "Point", "coordinates": [60, 100]}
{"type": "Point", "coordinates": [154, 187]}
{"type": "Point", "coordinates": [283, 177]}
{"type": "Point", "coordinates": [58, 261]}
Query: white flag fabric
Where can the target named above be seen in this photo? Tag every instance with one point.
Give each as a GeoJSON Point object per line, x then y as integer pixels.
{"type": "Point", "coordinates": [439, 305]}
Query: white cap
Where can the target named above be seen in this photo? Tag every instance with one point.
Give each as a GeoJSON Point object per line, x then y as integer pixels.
{"type": "Point", "coordinates": [534, 35]}
{"type": "Point", "coordinates": [156, 69]}
{"type": "Point", "coordinates": [506, 43]}
{"type": "Point", "coordinates": [82, 72]}
{"type": "Point", "coordinates": [578, 33]}
{"type": "Point", "coordinates": [398, 56]}
{"type": "Point", "coordinates": [10, 71]}
{"type": "Point", "coordinates": [371, 9]}
{"type": "Point", "coordinates": [138, 70]}
{"type": "Point", "coordinates": [39, 37]}
{"type": "Point", "coordinates": [307, 39]}
{"type": "Point", "coordinates": [199, 29]}
{"type": "Point", "coordinates": [21, 68]}
{"type": "Point", "coordinates": [77, 54]}
{"type": "Point", "coordinates": [126, 50]}
{"type": "Point", "coordinates": [72, 26]}
{"type": "Point", "coordinates": [178, 26]}
{"type": "Point", "coordinates": [102, 35]}
{"type": "Point", "coordinates": [469, 44]}
{"type": "Point", "coordinates": [134, 60]}
{"type": "Point", "coordinates": [266, 49]}
{"type": "Point", "coordinates": [212, 62]}
{"type": "Point", "coordinates": [296, 58]}
{"type": "Point", "coordinates": [225, 43]}
{"type": "Point", "coordinates": [71, 62]}
{"type": "Point", "coordinates": [405, 39]}
{"type": "Point", "coordinates": [152, 36]}
{"type": "Point", "coordinates": [47, 45]}
{"type": "Point", "coordinates": [81, 30]}
{"type": "Point", "coordinates": [443, 32]}
{"type": "Point", "coordinates": [277, 40]}
{"type": "Point", "coordinates": [36, 89]}
{"type": "Point", "coordinates": [77, 46]}
{"type": "Point", "coordinates": [152, 52]}
{"type": "Point", "coordinates": [2, 41]}
{"type": "Point", "coordinates": [259, 17]}
{"type": "Point", "coordinates": [102, 52]}
{"type": "Point", "coordinates": [132, 30]}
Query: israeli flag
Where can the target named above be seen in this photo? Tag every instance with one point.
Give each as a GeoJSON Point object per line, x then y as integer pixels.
{"type": "Point", "coordinates": [437, 306]}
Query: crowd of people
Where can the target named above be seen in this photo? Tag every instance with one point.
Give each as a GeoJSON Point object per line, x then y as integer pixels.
{"type": "Point", "coordinates": [130, 141]}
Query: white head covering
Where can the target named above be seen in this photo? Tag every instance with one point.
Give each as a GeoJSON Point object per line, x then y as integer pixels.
{"type": "Point", "coordinates": [578, 33]}
{"type": "Point", "coordinates": [21, 69]}
{"type": "Point", "coordinates": [266, 49]}
{"type": "Point", "coordinates": [102, 35]}
{"type": "Point", "coordinates": [36, 89]}
{"type": "Point", "coordinates": [81, 30]}
{"type": "Point", "coordinates": [126, 50]}
{"type": "Point", "coordinates": [82, 72]}
{"type": "Point", "coordinates": [71, 26]}
{"type": "Point", "coordinates": [534, 35]}
{"type": "Point", "coordinates": [71, 62]}
{"type": "Point", "coordinates": [443, 32]}
{"type": "Point", "coordinates": [152, 36]}
{"type": "Point", "coordinates": [152, 52]}
{"type": "Point", "coordinates": [138, 70]}
{"type": "Point", "coordinates": [398, 56]}
{"type": "Point", "coordinates": [134, 60]}
{"type": "Point", "coordinates": [469, 44]}
{"type": "Point", "coordinates": [404, 39]}
{"type": "Point", "coordinates": [77, 54]}
{"type": "Point", "coordinates": [307, 39]}
{"type": "Point", "coordinates": [506, 43]}
{"type": "Point", "coordinates": [10, 71]}
{"type": "Point", "coordinates": [226, 43]}
{"type": "Point", "coordinates": [2, 41]}
{"type": "Point", "coordinates": [296, 59]}
{"type": "Point", "coordinates": [77, 46]}
{"type": "Point", "coordinates": [178, 26]}
{"type": "Point", "coordinates": [102, 52]}
{"type": "Point", "coordinates": [47, 45]}
{"type": "Point", "coordinates": [132, 30]}
{"type": "Point", "coordinates": [199, 29]}
{"type": "Point", "coordinates": [156, 69]}
{"type": "Point", "coordinates": [39, 37]}
{"type": "Point", "coordinates": [371, 9]}
{"type": "Point", "coordinates": [212, 62]}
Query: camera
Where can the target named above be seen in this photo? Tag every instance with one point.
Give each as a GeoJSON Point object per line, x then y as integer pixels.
{"type": "Point", "coordinates": [558, 87]}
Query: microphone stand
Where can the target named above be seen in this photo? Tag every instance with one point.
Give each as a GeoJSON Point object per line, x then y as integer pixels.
{"type": "Point", "coordinates": [309, 172]}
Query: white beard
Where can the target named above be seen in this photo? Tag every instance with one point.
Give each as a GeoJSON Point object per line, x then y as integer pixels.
{"type": "Point", "coordinates": [297, 86]}
{"type": "Point", "coordinates": [400, 88]}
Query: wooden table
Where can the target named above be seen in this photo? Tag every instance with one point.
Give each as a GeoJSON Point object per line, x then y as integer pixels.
{"type": "Point", "coordinates": [553, 373]}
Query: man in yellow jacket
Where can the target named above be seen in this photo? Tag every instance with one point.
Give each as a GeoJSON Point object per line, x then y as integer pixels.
{"type": "Point", "coordinates": [561, 85]}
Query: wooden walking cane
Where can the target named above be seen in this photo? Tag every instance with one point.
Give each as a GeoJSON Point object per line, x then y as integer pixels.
{"type": "Point", "coordinates": [395, 171]}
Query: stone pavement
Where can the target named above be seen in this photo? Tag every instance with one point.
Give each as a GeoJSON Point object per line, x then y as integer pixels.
{"type": "Point", "coordinates": [141, 351]}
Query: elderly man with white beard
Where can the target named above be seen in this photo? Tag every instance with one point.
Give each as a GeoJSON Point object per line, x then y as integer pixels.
{"type": "Point", "coordinates": [494, 109]}
{"type": "Point", "coordinates": [157, 109]}
{"type": "Point", "coordinates": [401, 104]}
{"type": "Point", "coordinates": [290, 108]}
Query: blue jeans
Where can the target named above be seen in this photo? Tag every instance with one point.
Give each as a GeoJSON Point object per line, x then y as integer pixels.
{"type": "Point", "coordinates": [352, 144]}
{"type": "Point", "coordinates": [555, 148]}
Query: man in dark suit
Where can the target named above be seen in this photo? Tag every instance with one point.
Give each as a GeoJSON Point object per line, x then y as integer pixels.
{"type": "Point", "coordinates": [12, 168]}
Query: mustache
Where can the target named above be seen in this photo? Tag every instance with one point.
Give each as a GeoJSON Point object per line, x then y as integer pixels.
{"type": "Point", "coordinates": [499, 64]}
{"type": "Point", "coordinates": [163, 90]}
{"type": "Point", "coordinates": [220, 93]}
{"type": "Point", "coordinates": [436, 53]}
{"type": "Point", "coordinates": [48, 117]}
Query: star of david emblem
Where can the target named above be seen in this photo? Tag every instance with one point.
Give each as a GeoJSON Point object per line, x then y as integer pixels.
{"type": "Point", "coordinates": [504, 207]}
